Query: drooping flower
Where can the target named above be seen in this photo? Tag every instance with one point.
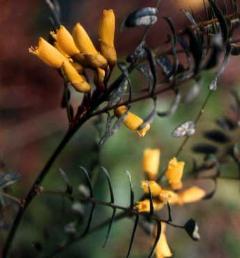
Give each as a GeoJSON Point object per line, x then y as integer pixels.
{"type": "Point", "coordinates": [153, 186]}
{"type": "Point", "coordinates": [151, 160]}
{"type": "Point", "coordinates": [192, 194]}
{"type": "Point", "coordinates": [144, 206]}
{"type": "Point", "coordinates": [173, 194]}
{"type": "Point", "coordinates": [78, 81]}
{"type": "Point", "coordinates": [174, 173]}
{"type": "Point", "coordinates": [64, 41]}
{"type": "Point", "coordinates": [48, 53]}
{"type": "Point", "coordinates": [162, 248]}
{"type": "Point", "coordinates": [88, 53]}
{"type": "Point", "coordinates": [132, 121]}
{"type": "Point", "coordinates": [106, 36]}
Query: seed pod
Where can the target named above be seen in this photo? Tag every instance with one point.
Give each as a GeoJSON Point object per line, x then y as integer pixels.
{"type": "Point", "coordinates": [142, 17]}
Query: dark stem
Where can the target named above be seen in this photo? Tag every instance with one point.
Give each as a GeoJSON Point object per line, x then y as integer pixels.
{"type": "Point", "coordinates": [35, 187]}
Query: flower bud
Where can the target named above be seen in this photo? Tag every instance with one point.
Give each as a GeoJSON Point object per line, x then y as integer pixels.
{"type": "Point", "coordinates": [88, 54]}
{"type": "Point", "coordinates": [48, 53]}
{"type": "Point", "coordinates": [151, 160]}
{"type": "Point", "coordinates": [154, 187]}
{"type": "Point", "coordinates": [174, 173]}
{"type": "Point", "coordinates": [106, 36]}
{"type": "Point", "coordinates": [132, 121]}
{"type": "Point", "coordinates": [64, 41]}
{"type": "Point", "coordinates": [78, 81]}
{"type": "Point", "coordinates": [192, 194]}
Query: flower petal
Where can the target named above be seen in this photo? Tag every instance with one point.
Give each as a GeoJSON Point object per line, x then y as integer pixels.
{"type": "Point", "coordinates": [151, 160]}
{"type": "Point", "coordinates": [174, 173]}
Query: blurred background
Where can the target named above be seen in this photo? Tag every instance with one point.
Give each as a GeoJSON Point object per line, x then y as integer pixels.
{"type": "Point", "coordinates": [32, 124]}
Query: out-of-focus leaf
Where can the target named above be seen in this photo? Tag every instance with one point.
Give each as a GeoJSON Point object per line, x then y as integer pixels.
{"type": "Point", "coordinates": [192, 93]}
{"type": "Point", "coordinates": [192, 229]}
{"type": "Point", "coordinates": [205, 148]}
{"type": "Point", "coordinates": [159, 229]}
{"type": "Point", "coordinates": [213, 84]}
{"type": "Point", "coordinates": [235, 49]}
{"type": "Point", "coordinates": [174, 44]}
{"type": "Point", "coordinates": [55, 11]}
{"type": "Point", "coordinates": [173, 107]}
{"type": "Point", "coordinates": [164, 62]}
{"type": "Point", "coordinates": [142, 17]}
{"type": "Point", "coordinates": [69, 188]}
{"type": "Point", "coordinates": [138, 54]}
{"type": "Point", "coordinates": [190, 17]}
{"type": "Point", "coordinates": [196, 48]}
{"type": "Point", "coordinates": [131, 190]}
{"type": "Point", "coordinates": [150, 117]}
{"type": "Point", "coordinates": [7, 179]}
{"type": "Point", "coordinates": [222, 21]}
{"type": "Point", "coordinates": [70, 228]}
{"type": "Point", "coordinates": [152, 66]}
{"type": "Point", "coordinates": [133, 235]}
{"type": "Point", "coordinates": [215, 52]}
{"type": "Point", "coordinates": [226, 123]}
{"type": "Point", "coordinates": [185, 129]}
{"type": "Point", "coordinates": [217, 136]}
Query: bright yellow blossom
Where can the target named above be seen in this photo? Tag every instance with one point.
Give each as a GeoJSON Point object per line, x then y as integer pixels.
{"type": "Point", "coordinates": [48, 53]}
{"type": "Point", "coordinates": [78, 81]}
{"type": "Point", "coordinates": [132, 121]}
{"type": "Point", "coordinates": [174, 173]}
{"type": "Point", "coordinates": [151, 160]}
{"type": "Point", "coordinates": [106, 36]}
{"type": "Point", "coordinates": [88, 52]}
{"type": "Point", "coordinates": [144, 206]}
{"type": "Point", "coordinates": [162, 248]}
{"type": "Point", "coordinates": [192, 194]}
{"type": "Point", "coordinates": [64, 41]}
{"type": "Point", "coordinates": [154, 187]}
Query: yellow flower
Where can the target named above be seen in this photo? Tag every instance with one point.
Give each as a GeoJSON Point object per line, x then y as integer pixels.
{"type": "Point", "coordinates": [89, 53]}
{"type": "Point", "coordinates": [192, 194]}
{"type": "Point", "coordinates": [77, 80]}
{"type": "Point", "coordinates": [168, 196]}
{"type": "Point", "coordinates": [151, 160]}
{"type": "Point", "coordinates": [155, 188]}
{"type": "Point", "coordinates": [64, 41]}
{"type": "Point", "coordinates": [48, 53]}
{"type": "Point", "coordinates": [132, 121]}
{"type": "Point", "coordinates": [162, 248]}
{"type": "Point", "coordinates": [106, 36]}
{"type": "Point", "coordinates": [144, 206]}
{"type": "Point", "coordinates": [174, 173]}
{"type": "Point", "coordinates": [99, 77]}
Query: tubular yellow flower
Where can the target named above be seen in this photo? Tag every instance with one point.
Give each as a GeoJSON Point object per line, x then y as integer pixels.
{"type": "Point", "coordinates": [65, 41]}
{"type": "Point", "coordinates": [77, 80]}
{"type": "Point", "coordinates": [132, 121]}
{"type": "Point", "coordinates": [106, 36]}
{"type": "Point", "coordinates": [86, 47]}
{"type": "Point", "coordinates": [151, 160]}
{"type": "Point", "coordinates": [162, 248]}
{"type": "Point", "coordinates": [48, 53]}
{"type": "Point", "coordinates": [155, 188]}
{"type": "Point", "coordinates": [144, 206]}
{"type": "Point", "coordinates": [168, 196]}
{"type": "Point", "coordinates": [99, 77]}
{"type": "Point", "coordinates": [192, 194]}
{"type": "Point", "coordinates": [174, 173]}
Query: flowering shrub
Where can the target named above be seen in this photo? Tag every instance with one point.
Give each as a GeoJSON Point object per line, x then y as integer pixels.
{"type": "Point", "coordinates": [89, 70]}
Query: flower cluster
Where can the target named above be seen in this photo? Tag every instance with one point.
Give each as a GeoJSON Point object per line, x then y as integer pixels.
{"type": "Point", "coordinates": [172, 194]}
{"type": "Point", "coordinates": [73, 53]}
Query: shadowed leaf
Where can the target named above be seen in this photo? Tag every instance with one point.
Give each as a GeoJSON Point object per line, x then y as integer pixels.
{"type": "Point", "coordinates": [133, 235]}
